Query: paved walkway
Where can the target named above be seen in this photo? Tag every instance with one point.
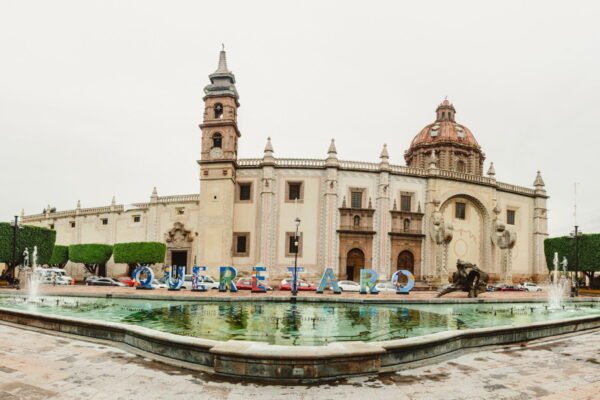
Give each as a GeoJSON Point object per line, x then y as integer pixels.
{"type": "Point", "coordinates": [45, 366]}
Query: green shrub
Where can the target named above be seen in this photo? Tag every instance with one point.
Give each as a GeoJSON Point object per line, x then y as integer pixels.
{"type": "Point", "coordinates": [60, 256]}
{"type": "Point", "coordinates": [27, 237]}
{"type": "Point", "coordinates": [93, 256]}
{"type": "Point", "coordinates": [135, 253]}
{"type": "Point", "coordinates": [589, 253]}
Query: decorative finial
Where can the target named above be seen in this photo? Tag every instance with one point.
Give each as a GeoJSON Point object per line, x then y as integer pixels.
{"type": "Point", "coordinates": [539, 182]}
{"type": "Point", "coordinates": [491, 170]}
{"type": "Point", "coordinates": [370, 204]}
{"type": "Point", "coordinates": [419, 207]}
{"type": "Point", "coordinates": [222, 46]}
{"type": "Point", "coordinates": [78, 204]}
{"type": "Point", "coordinates": [332, 149]}
{"type": "Point", "coordinates": [222, 68]}
{"type": "Point", "coordinates": [154, 192]}
{"type": "Point", "coordinates": [269, 146]}
{"type": "Point", "coordinates": [113, 201]}
{"type": "Point", "coordinates": [344, 202]}
{"type": "Point", "coordinates": [384, 152]}
{"type": "Point", "coordinates": [395, 207]}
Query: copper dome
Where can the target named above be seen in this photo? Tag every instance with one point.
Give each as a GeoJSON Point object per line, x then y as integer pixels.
{"type": "Point", "coordinates": [445, 129]}
{"type": "Point", "coordinates": [452, 143]}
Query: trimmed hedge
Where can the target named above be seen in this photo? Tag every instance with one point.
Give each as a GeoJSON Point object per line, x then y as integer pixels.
{"type": "Point", "coordinates": [93, 256]}
{"type": "Point", "coordinates": [589, 251]}
{"type": "Point", "coordinates": [27, 237]}
{"type": "Point", "coordinates": [140, 252]}
{"type": "Point", "coordinates": [60, 256]}
{"type": "Point", "coordinates": [90, 253]}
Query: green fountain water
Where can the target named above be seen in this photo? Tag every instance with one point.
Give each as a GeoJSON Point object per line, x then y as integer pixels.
{"type": "Point", "coordinates": [300, 323]}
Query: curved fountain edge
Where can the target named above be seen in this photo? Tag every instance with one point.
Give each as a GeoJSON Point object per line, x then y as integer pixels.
{"type": "Point", "coordinates": [297, 364]}
{"type": "Point", "coordinates": [324, 298]}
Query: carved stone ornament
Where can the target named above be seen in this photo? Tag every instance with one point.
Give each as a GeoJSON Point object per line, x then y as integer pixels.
{"type": "Point", "coordinates": [441, 232]}
{"type": "Point", "coordinates": [178, 236]}
{"type": "Point", "coordinates": [502, 237]}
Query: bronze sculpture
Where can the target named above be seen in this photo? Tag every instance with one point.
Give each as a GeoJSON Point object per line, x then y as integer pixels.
{"type": "Point", "coordinates": [468, 278]}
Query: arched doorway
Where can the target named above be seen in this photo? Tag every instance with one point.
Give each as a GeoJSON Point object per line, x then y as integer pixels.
{"type": "Point", "coordinates": [406, 261]}
{"type": "Point", "coordinates": [355, 261]}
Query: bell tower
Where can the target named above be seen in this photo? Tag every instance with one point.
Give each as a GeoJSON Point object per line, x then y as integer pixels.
{"type": "Point", "coordinates": [220, 133]}
{"type": "Point", "coordinates": [217, 162]}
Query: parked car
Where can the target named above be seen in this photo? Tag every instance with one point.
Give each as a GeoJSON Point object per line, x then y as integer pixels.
{"type": "Point", "coordinates": [9, 281]}
{"type": "Point", "coordinates": [349, 286]}
{"type": "Point", "coordinates": [511, 288]}
{"type": "Point", "coordinates": [206, 280]}
{"type": "Point", "coordinates": [530, 287]}
{"type": "Point", "coordinates": [106, 282]}
{"type": "Point", "coordinates": [246, 284]}
{"type": "Point", "coordinates": [386, 287]}
{"type": "Point", "coordinates": [127, 280]}
{"type": "Point", "coordinates": [90, 278]}
{"type": "Point", "coordinates": [53, 276]}
{"type": "Point", "coordinates": [158, 285]}
{"type": "Point", "coordinates": [303, 286]}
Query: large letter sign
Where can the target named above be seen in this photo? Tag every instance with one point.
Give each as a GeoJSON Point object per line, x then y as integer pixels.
{"type": "Point", "coordinates": [257, 278]}
{"type": "Point", "coordinates": [198, 279]}
{"type": "Point", "coordinates": [368, 280]}
{"type": "Point", "coordinates": [175, 283]}
{"type": "Point", "coordinates": [409, 285]}
{"type": "Point", "coordinates": [226, 277]}
{"type": "Point", "coordinates": [295, 272]}
{"type": "Point", "coordinates": [146, 283]}
{"type": "Point", "coordinates": [328, 279]}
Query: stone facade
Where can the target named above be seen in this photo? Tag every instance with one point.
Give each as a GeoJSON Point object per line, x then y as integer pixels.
{"type": "Point", "coordinates": [422, 217]}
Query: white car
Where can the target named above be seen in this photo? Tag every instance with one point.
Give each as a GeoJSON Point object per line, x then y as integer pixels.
{"type": "Point", "coordinates": [530, 287]}
{"type": "Point", "coordinates": [386, 287]}
{"type": "Point", "coordinates": [349, 286]}
{"type": "Point", "coordinates": [157, 285]}
{"type": "Point", "coordinates": [205, 280]}
{"type": "Point", "coordinates": [53, 276]}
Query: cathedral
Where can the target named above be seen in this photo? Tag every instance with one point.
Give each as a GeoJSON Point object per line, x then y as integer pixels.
{"type": "Point", "coordinates": [422, 217]}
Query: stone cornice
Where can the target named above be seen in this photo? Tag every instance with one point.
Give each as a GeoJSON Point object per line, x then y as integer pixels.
{"type": "Point", "coordinates": [117, 208]}
{"type": "Point", "coordinates": [362, 166]}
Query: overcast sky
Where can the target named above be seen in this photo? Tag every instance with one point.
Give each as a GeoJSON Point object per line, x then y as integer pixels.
{"type": "Point", "coordinates": [103, 98]}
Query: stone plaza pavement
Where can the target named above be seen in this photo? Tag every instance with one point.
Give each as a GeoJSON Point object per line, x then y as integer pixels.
{"type": "Point", "coordinates": [46, 366]}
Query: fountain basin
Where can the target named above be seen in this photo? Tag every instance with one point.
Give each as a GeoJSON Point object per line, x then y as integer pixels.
{"type": "Point", "coordinates": [306, 363]}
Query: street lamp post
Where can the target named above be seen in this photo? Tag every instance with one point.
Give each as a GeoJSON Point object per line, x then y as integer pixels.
{"type": "Point", "coordinates": [14, 244]}
{"type": "Point", "coordinates": [576, 234]}
{"type": "Point", "coordinates": [296, 248]}
{"type": "Point", "coordinates": [15, 227]}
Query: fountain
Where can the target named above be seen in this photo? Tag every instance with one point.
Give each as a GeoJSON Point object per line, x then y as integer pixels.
{"type": "Point", "coordinates": [558, 285]}
{"type": "Point", "coordinates": [34, 280]}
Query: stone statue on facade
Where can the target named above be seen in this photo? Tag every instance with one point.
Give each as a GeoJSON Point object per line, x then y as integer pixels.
{"type": "Point", "coordinates": [468, 278]}
{"type": "Point", "coordinates": [441, 232]}
{"type": "Point", "coordinates": [505, 239]}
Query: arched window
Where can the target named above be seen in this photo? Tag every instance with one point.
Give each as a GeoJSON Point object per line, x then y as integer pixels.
{"type": "Point", "coordinates": [217, 140]}
{"type": "Point", "coordinates": [218, 108]}
{"type": "Point", "coordinates": [356, 221]}
{"type": "Point", "coordinates": [461, 166]}
{"type": "Point", "coordinates": [406, 224]}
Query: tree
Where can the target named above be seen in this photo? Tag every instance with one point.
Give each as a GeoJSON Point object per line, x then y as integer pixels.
{"type": "Point", "coordinates": [27, 237]}
{"type": "Point", "coordinates": [589, 253]}
{"type": "Point", "coordinates": [93, 256]}
{"type": "Point", "coordinates": [135, 253]}
{"type": "Point", "coordinates": [60, 256]}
